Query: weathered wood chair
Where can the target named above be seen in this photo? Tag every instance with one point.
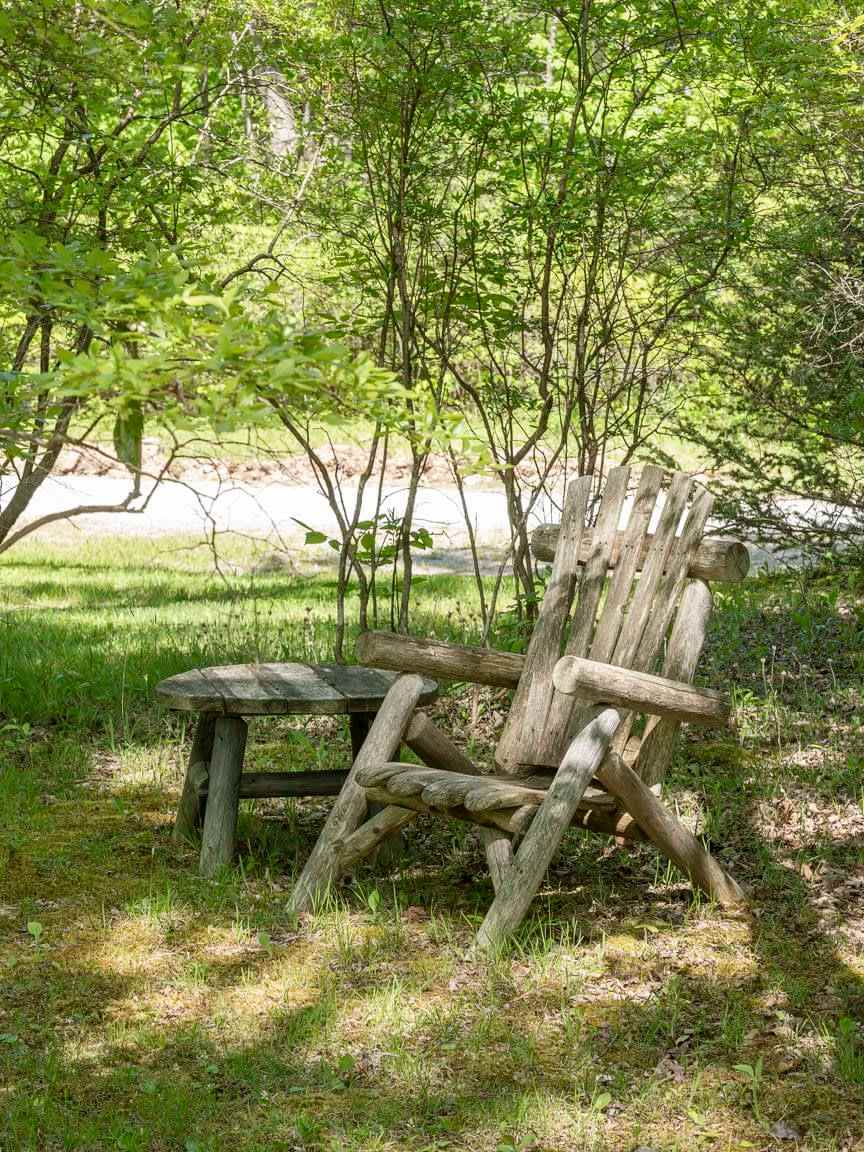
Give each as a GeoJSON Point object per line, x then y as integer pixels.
{"type": "Point", "coordinates": [588, 706]}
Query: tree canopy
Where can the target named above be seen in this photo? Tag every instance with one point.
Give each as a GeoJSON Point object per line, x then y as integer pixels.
{"type": "Point", "coordinates": [530, 239]}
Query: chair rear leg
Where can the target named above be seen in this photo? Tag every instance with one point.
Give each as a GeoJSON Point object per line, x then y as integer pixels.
{"type": "Point", "coordinates": [669, 834]}
{"type": "Point", "coordinates": [385, 736]}
{"type": "Point", "coordinates": [522, 879]}
{"type": "Point", "coordinates": [390, 849]}
{"type": "Point", "coordinates": [499, 854]}
{"type": "Point", "coordinates": [435, 747]}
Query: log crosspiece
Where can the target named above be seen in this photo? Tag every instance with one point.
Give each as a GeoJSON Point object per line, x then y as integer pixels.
{"type": "Point", "coordinates": [717, 558]}
{"type": "Point", "coordinates": [627, 688]}
{"type": "Point", "coordinates": [440, 659]}
{"type": "Point", "coordinates": [284, 785]}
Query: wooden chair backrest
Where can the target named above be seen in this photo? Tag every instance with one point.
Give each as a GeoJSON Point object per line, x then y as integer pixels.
{"type": "Point", "coordinates": [627, 626]}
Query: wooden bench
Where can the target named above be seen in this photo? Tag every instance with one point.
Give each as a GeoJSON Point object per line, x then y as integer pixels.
{"type": "Point", "coordinates": [215, 782]}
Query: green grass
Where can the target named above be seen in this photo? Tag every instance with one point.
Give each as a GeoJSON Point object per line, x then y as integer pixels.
{"type": "Point", "coordinates": [146, 1009]}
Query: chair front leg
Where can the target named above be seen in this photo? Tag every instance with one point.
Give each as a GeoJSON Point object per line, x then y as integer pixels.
{"type": "Point", "coordinates": [385, 736]}
{"type": "Point", "coordinates": [522, 879]}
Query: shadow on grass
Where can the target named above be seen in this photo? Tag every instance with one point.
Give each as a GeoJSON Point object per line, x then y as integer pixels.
{"type": "Point", "coordinates": [168, 1023]}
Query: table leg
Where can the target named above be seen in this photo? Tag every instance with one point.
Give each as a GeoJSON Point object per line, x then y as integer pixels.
{"type": "Point", "coordinates": [389, 850]}
{"type": "Point", "coordinates": [190, 811]}
{"type": "Point", "coordinates": [359, 723]}
{"type": "Point", "coordinates": [223, 795]}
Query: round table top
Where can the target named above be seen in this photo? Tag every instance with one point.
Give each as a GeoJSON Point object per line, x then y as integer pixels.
{"type": "Point", "coordinates": [282, 689]}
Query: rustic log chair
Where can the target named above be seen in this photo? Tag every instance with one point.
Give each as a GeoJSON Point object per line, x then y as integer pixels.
{"type": "Point", "coordinates": [576, 715]}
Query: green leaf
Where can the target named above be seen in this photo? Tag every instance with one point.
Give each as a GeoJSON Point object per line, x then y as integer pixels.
{"type": "Point", "coordinates": [128, 436]}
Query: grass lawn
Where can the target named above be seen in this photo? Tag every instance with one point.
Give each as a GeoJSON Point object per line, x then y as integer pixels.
{"type": "Point", "coordinates": [142, 1008]}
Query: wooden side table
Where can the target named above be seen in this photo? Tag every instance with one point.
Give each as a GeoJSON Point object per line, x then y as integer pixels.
{"type": "Point", "coordinates": [215, 782]}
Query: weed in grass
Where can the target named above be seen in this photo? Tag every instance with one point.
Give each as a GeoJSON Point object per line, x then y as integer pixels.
{"type": "Point", "coordinates": [752, 1075]}
{"type": "Point", "coordinates": [154, 908]}
{"type": "Point", "coordinates": [849, 1052]}
{"type": "Point", "coordinates": [733, 1024]}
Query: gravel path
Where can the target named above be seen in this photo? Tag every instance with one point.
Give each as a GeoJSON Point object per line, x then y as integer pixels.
{"type": "Point", "coordinates": [272, 511]}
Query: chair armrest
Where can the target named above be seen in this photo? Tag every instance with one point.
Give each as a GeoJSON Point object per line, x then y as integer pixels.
{"type": "Point", "coordinates": [626, 688]}
{"type": "Point", "coordinates": [439, 659]}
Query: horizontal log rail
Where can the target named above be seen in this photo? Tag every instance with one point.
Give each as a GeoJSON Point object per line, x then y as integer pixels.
{"type": "Point", "coordinates": [627, 688]}
{"type": "Point", "coordinates": [448, 789]}
{"type": "Point", "coordinates": [264, 785]}
{"type": "Point", "coordinates": [516, 821]}
{"type": "Point", "coordinates": [439, 659]}
{"type": "Point", "coordinates": [716, 558]}
{"type": "Point", "coordinates": [475, 792]}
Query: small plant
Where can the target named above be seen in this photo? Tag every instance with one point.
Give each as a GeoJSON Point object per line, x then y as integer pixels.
{"type": "Point", "coordinates": [15, 732]}
{"type": "Point", "coordinates": [307, 1127]}
{"type": "Point", "coordinates": [336, 1077]}
{"type": "Point", "coordinates": [601, 1101]}
{"type": "Point", "coordinates": [849, 1051]}
{"type": "Point", "coordinates": [373, 550]}
{"type": "Point", "coordinates": [35, 930]}
{"type": "Point", "coordinates": [515, 1144]}
{"type": "Point", "coordinates": [752, 1074]}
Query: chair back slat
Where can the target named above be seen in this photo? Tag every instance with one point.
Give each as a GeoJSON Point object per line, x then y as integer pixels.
{"type": "Point", "coordinates": [642, 574]}
{"type": "Point", "coordinates": [645, 595]}
{"type": "Point", "coordinates": [570, 715]}
{"type": "Point", "coordinates": [672, 581]}
{"type": "Point", "coordinates": [686, 641]}
{"type": "Point", "coordinates": [630, 553]}
{"type": "Point", "coordinates": [524, 726]}
{"type": "Point", "coordinates": [641, 641]}
{"type": "Point", "coordinates": [558, 709]}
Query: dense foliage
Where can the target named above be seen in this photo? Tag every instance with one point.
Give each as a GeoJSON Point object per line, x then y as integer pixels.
{"type": "Point", "coordinates": [780, 406]}
{"type": "Point", "coordinates": [116, 162]}
{"type": "Point", "coordinates": [532, 239]}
